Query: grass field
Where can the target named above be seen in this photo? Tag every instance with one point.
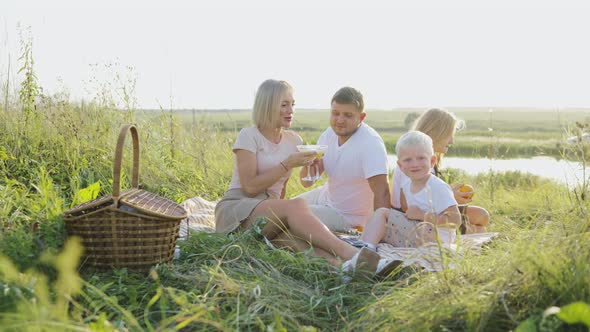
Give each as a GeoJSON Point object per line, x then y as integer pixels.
{"type": "Point", "coordinates": [53, 149]}
{"type": "Point", "coordinates": [515, 132]}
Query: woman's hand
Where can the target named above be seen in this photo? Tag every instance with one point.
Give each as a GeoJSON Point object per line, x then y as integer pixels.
{"type": "Point", "coordinates": [297, 159]}
{"type": "Point", "coordinates": [254, 183]}
{"type": "Point", "coordinates": [462, 197]}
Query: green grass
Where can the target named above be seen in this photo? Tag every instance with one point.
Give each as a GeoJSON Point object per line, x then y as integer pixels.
{"type": "Point", "coordinates": [515, 132]}
{"type": "Point", "coordinates": [539, 260]}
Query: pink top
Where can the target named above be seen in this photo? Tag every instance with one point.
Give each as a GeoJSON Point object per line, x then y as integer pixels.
{"type": "Point", "coordinates": [268, 154]}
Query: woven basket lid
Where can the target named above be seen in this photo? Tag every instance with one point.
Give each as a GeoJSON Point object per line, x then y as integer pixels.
{"type": "Point", "coordinates": [152, 204]}
{"type": "Point", "coordinates": [141, 200]}
{"type": "Point", "coordinates": [92, 205]}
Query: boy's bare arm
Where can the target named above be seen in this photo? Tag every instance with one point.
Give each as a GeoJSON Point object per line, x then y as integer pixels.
{"type": "Point", "coordinates": [451, 217]}
{"type": "Point", "coordinates": [413, 212]}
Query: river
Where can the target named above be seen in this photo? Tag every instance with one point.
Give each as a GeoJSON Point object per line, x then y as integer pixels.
{"type": "Point", "coordinates": [562, 171]}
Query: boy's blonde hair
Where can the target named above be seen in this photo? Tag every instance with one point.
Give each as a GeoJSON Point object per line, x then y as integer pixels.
{"type": "Point", "coordinates": [267, 104]}
{"type": "Point", "coordinates": [414, 138]}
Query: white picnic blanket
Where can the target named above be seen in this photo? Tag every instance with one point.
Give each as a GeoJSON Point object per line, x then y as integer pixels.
{"type": "Point", "coordinates": [430, 255]}
{"type": "Point", "coordinates": [201, 218]}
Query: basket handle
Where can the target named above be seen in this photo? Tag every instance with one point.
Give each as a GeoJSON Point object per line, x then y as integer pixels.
{"type": "Point", "coordinates": [119, 158]}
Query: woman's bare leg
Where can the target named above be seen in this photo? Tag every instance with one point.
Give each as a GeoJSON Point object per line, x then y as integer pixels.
{"type": "Point", "coordinates": [376, 229]}
{"type": "Point", "coordinates": [288, 241]}
{"type": "Point", "coordinates": [295, 217]}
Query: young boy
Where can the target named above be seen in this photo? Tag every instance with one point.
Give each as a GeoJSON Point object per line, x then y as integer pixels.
{"type": "Point", "coordinates": [428, 198]}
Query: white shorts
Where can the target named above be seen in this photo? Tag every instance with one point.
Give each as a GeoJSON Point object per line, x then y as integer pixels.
{"type": "Point", "coordinates": [329, 216]}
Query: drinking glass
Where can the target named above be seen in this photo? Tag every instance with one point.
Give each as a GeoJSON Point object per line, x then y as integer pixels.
{"type": "Point", "coordinates": [303, 148]}
{"type": "Point", "coordinates": [321, 149]}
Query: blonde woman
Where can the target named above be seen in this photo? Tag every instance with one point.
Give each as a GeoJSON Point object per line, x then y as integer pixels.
{"type": "Point", "coordinates": [441, 125]}
{"type": "Point", "coordinates": [265, 155]}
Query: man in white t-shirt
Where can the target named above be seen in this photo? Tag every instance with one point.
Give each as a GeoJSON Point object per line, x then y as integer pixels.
{"type": "Point", "coordinates": [355, 163]}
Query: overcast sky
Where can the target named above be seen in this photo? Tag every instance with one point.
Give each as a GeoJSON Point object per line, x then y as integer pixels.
{"type": "Point", "coordinates": [214, 54]}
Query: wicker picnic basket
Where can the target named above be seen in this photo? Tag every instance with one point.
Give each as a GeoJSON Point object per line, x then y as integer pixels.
{"type": "Point", "coordinates": [135, 229]}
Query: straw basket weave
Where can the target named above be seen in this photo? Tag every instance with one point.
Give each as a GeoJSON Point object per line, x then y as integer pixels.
{"type": "Point", "coordinates": [134, 229]}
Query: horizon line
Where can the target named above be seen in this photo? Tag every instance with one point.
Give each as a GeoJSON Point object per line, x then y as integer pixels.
{"type": "Point", "coordinates": [393, 109]}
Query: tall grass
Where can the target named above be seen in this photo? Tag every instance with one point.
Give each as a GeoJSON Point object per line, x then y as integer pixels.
{"type": "Point", "coordinates": [539, 260]}
{"type": "Point", "coordinates": [48, 156]}
{"type": "Point", "coordinates": [225, 283]}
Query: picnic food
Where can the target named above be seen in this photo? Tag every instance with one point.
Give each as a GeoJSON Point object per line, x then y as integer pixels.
{"type": "Point", "coordinates": [466, 188]}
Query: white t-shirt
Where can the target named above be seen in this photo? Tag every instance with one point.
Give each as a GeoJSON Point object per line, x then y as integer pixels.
{"type": "Point", "coordinates": [436, 195]}
{"type": "Point", "coordinates": [268, 155]}
{"type": "Point", "coordinates": [436, 191]}
{"type": "Point", "coordinates": [397, 179]}
{"type": "Point", "coordinates": [348, 167]}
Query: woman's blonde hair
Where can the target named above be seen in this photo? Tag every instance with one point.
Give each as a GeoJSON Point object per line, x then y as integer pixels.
{"type": "Point", "coordinates": [439, 124]}
{"type": "Point", "coordinates": [267, 104]}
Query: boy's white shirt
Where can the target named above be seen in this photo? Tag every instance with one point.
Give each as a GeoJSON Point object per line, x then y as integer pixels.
{"type": "Point", "coordinates": [398, 178]}
{"type": "Point", "coordinates": [348, 167]}
{"type": "Point", "coordinates": [436, 196]}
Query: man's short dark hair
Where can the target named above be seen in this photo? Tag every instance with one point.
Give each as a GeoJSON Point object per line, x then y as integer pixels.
{"type": "Point", "coordinates": [351, 96]}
